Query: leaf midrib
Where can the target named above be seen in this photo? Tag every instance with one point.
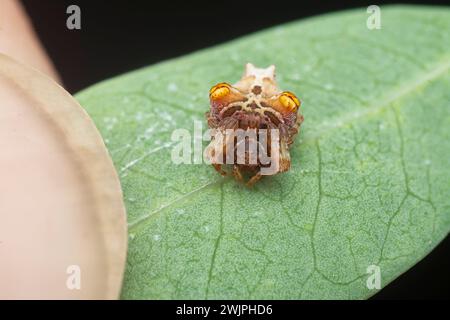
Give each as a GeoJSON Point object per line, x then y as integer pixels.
{"type": "Point", "coordinates": [381, 104]}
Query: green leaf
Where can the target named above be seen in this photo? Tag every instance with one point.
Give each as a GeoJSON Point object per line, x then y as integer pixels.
{"type": "Point", "coordinates": [369, 183]}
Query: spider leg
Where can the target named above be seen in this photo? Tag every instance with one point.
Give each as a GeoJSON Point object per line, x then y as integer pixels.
{"type": "Point", "coordinates": [219, 169]}
{"type": "Point", "coordinates": [285, 141]}
{"type": "Point", "coordinates": [237, 173]}
{"type": "Point", "coordinates": [254, 179]}
{"type": "Point", "coordinates": [218, 148]}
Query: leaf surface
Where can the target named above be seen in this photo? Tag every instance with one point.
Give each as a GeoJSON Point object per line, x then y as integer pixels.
{"type": "Point", "coordinates": [370, 177]}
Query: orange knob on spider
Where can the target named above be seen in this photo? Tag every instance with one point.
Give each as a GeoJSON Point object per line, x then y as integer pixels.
{"type": "Point", "coordinates": [289, 101]}
{"type": "Point", "coordinates": [219, 91]}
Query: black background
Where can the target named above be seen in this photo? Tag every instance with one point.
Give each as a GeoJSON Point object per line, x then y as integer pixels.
{"type": "Point", "coordinates": [119, 36]}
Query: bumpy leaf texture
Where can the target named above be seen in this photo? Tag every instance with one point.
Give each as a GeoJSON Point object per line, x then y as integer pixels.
{"type": "Point", "coordinates": [370, 177]}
